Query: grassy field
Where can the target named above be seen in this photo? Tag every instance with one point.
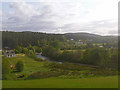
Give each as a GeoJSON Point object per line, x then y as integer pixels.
{"type": "Point", "coordinates": [95, 82]}
{"type": "Point", "coordinates": [31, 66]}
{"type": "Point", "coordinates": [72, 50]}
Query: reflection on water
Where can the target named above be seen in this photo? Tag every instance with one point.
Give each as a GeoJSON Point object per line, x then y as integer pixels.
{"type": "Point", "coordinates": [45, 58]}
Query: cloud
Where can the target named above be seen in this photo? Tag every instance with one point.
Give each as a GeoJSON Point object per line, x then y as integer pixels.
{"type": "Point", "coordinates": [27, 18]}
{"type": "Point", "coordinates": [113, 32]}
{"type": "Point", "coordinates": [1, 20]}
{"type": "Point", "coordinates": [22, 11]}
{"type": "Point", "coordinates": [61, 17]}
{"type": "Point", "coordinates": [102, 27]}
{"type": "Point", "coordinates": [50, 16]}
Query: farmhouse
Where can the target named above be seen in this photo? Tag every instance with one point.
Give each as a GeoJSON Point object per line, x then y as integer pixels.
{"type": "Point", "coordinates": [79, 43]}
{"type": "Point", "coordinates": [101, 46]}
{"type": "Point", "coordinates": [9, 53]}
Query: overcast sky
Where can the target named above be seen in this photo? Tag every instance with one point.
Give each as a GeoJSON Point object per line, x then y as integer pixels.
{"type": "Point", "coordinates": [60, 16]}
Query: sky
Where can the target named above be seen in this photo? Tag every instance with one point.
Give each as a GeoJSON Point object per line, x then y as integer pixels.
{"type": "Point", "coordinates": [60, 16]}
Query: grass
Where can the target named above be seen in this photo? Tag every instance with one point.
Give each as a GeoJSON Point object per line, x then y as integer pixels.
{"type": "Point", "coordinates": [98, 44]}
{"type": "Point", "coordinates": [72, 50]}
{"type": "Point", "coordinates": [30, 65]}
{"type": "Point", "coordinates": [68, 50]}
{"type": "Point", "coordinates": [94, 82]}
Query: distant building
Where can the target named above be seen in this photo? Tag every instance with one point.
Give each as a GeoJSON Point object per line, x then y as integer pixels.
{"type": "Point", "coordinates": [101, 46]}
{"type": "Point", "coordinates": [9, 53]}
{"type": "Point", "coordinates": [90, 40]}
{"type": "Point", "coordinates": [71, 39]}
{"type": "Point", "coordinates": [79, 43]}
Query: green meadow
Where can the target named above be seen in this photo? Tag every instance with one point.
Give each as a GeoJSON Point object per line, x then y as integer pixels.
{"type": "Point", "coordinates": [32, 66]}
{"type": "Point", "coordinates": [94, 82]}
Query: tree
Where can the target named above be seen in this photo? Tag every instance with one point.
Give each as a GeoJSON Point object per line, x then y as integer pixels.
{"type": "Point", "coordinates": [55, 44]}
{"type": "Point", "coordinates": [30, 47]}
{"type": "Point", "coordinates": [89, 45]}
{"type": "Point", "coordinates": [31, 52]}
{"type": "Point", "coordinates": [18, 49]}
{"type": "Point", "coordinates": [114, 60]}
{"type": "Point", "coordinates": [19, 66]}
{"type": "Point", "coordinates": [37, 49]}
{"type": "Point", "coordinates": [91, 56]}
{"type": "Point", "coordinates": [25, 51]}
{"type": "Point", "coordinates": [67, 56]}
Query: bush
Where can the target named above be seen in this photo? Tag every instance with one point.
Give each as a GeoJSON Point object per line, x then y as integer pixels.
{"type": "Point", "coordinates": [39, 75]}
{"type": "Point", "coordinates": [19, 66]}
{"type": "Point", "coordinates": [69, 66]}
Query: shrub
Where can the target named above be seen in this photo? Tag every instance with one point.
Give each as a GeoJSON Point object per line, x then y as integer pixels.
{"type": "Point", "coordinates": [38, 75]}
{"type": "Point", "coordinates": [70, 66]}
{"type": "Point", "coordinates": [19, 66]}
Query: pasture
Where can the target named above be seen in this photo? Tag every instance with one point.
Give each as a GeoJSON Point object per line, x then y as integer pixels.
{"type": "Point", "coordinates": [32, 66]}
{"type": "Point", "coordinates": [94, 82]}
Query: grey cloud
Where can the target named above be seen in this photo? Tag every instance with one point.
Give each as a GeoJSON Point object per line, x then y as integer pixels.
{"type": "Point", "coordinates": [36, 22]}
{"type": "Point", "coordinates": [113, 32]}
{"type": "Point", "coordinates": [50, 19]}
{"type": "Point", "coordinates": [31, 26]}
{"type": "Point", "coordinates": [103, 27]}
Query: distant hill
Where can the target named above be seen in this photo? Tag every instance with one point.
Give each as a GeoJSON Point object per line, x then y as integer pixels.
{"type": "Point", "coordinates": [91, 37]}
{"type": "Point", "coordinates": [13, 39]}
{"type": "Point", "coordinates": [85, 34]}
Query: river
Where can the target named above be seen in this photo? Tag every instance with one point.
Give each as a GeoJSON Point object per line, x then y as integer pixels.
{"type": "Point", "coordinates": [45, 58]}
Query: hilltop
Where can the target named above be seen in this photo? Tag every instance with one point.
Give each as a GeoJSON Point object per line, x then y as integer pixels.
{"type": "Point", "coordinates": [12, 39]}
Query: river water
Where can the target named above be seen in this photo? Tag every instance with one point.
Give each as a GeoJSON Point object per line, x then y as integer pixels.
{"type": "Point", "coordinates": [45, 58]}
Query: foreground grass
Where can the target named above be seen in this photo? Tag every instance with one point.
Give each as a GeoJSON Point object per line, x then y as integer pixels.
{"type": "Point", "coordinates": [94, 82]}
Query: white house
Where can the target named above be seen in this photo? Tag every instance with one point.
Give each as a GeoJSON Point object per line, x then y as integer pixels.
{"type": "Point", "coordinates": [9, 53]}
{"type": "Point", "coordinates": [79, 43]}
